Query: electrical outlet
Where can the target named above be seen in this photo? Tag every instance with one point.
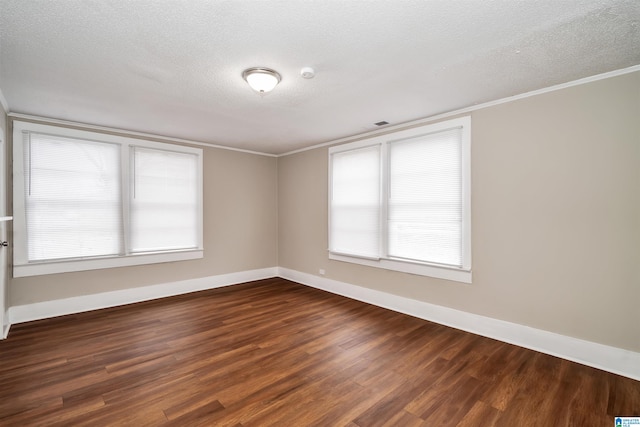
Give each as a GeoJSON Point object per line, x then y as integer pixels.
{"type": "Point", "coordinates": [321, 271]}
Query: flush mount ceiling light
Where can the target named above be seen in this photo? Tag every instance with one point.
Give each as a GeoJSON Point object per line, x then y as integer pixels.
{"type": "Point", "coordinates": [261, 79]}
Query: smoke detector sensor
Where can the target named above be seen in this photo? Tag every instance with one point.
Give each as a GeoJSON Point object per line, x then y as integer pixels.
{"type": "Point", "coordinates": [307, 73]}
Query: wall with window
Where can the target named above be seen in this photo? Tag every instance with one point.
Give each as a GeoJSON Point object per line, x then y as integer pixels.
{"type": "Point", "coordinates": [555, 213]}
{"type": "Point", "coordinates": [402, 201]}
{"type": "Point", "coordinates": [240, 234]}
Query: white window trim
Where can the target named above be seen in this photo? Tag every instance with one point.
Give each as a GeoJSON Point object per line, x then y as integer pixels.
{"type": "Point", "coordinates": [463, 274]}
{"type": "Point", "coordinates": [23, 268]}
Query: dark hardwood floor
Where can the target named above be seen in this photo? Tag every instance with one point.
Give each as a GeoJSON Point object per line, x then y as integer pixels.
{"type": "Point", "coordinates": [277, 353]}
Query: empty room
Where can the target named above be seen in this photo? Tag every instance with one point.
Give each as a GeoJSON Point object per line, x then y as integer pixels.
{"type": "Point", "coordinates": [320, 213]}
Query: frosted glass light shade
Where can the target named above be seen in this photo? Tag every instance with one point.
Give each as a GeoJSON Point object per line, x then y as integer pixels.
{"type": "Point", "coordinates": [262, 80]}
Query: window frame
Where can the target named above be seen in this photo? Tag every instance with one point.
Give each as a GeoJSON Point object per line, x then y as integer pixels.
{"type": "Point", "coordinates": [462, 274]}
{"type": "Point", "coordinates": [23, 268]}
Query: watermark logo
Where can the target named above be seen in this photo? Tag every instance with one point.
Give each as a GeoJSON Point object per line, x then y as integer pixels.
{"type": "Point", "coordinates": [627, 422]}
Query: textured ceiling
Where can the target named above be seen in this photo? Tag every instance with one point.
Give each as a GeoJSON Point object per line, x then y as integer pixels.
{"type": "Point", "coordinates": [174, 68]}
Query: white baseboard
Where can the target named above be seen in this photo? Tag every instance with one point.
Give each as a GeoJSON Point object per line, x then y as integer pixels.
{"type": "Point", "coordinates": [611, 359]}
{"type": "Point", "coordinates": [5, 325]}
{"type": "Point", "coordinates": [61, 307]}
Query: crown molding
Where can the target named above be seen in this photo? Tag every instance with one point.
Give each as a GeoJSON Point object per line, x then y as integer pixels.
{"type": "Point", "coordinates": [84, 126]}
{"type": "Point", "coordinates": [470, 109]}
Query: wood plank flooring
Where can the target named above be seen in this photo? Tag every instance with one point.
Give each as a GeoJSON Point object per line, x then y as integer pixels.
{"type": "Point", "coordinates": [276, 353]}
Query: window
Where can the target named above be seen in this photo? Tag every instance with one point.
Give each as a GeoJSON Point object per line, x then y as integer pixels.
{"type": "Point", "coordinates": [402, 201]}
{"type": "Point", "coordinates": [164, 202]}
{"type": "Point", "coordinates": [85, 200]}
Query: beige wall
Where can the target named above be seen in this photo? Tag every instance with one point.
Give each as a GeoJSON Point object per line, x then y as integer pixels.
{"type": "Point", "coordinates": [555, 216]}
{"type": "Point", "coordinates": [240, 233]}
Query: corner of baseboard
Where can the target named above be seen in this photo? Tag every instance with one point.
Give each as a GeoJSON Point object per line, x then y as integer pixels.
{"type": "Point", "coordinates": [5, 330]}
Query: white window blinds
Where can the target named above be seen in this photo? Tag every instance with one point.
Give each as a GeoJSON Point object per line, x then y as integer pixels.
{"type": "Point", "coordinates": [72, 198]}
{"type": "Point", "coordinates": [164, 200]}
{"type": "Point", "coordinates": [425, 198]}
{"type": "Point", "coordinates": [85, 200]}
{"type": "Point", "coordinates": [402, 201]}
{"type": "Point", "coordinates": [355, 202]}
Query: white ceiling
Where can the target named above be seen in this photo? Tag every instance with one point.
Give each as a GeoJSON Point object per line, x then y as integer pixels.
{"type": "Point", "coordinates": [173, 67]}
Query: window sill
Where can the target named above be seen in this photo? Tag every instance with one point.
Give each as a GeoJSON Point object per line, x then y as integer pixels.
{"type": "Point", "coordinates": [39, 269]}
{"type": "Point", "coordinates": [454, 274]}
